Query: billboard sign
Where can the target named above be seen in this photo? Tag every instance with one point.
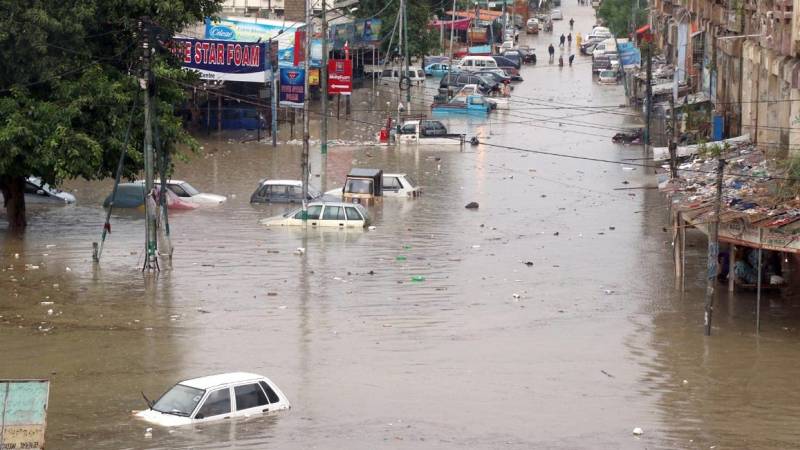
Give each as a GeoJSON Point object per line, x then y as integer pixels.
{"type": "Point", "coordinates": [223, 60]}
{"type": "Point", "coordinates": [23, 413]}
{"type": "Point", "coordinates": [292, 87]}
{"type": "Point", "coordinates": [265, 30]}
{"type": "Point", "coordinates": [340, 76]}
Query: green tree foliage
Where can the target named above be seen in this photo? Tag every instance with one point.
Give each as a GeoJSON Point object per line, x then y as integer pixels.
{"type": "Point", "coordinates": [421, 39]}
{"type": "Point", "coordinates": [68, 82]}
{"type": "Point", "coordinates": [617, 15]}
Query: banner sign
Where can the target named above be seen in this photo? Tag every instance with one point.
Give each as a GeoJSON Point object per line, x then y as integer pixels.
{"type": "Point", "coordinates": [340, 76]}
{"type": "Point", "coordinates": [221, 60]}
{"type": "Point", "coordinates": [313, 77]}
{"type": "Point", "coordinates": [266, 30]}
{"type": "Point", "coordinates": [23, 413]}
{"type": "Point", "coordinates": [358, 33]}
{"type": "Point", "coordinates": [292, 87]}
{"type": "Point", "coordinates": [629, 55]}
{"type": "Point", "coordinates": [299, 47]}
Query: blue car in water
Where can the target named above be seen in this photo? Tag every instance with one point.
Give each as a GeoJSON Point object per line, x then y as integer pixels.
{"type": "Point", "coordinates": [437, 69]}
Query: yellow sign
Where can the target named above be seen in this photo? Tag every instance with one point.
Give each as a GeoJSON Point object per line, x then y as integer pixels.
{"type": "Point", "coordinates": [313, 77]}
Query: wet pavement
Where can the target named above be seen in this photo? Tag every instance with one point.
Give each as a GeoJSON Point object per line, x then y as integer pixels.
{"type": "Point", "coordinates": [574, 351]}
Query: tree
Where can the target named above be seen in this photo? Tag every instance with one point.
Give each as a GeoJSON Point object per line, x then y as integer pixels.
{"type": "Point", "coordinates": [617, 15]}
{"type": "Point", "coordinates": [68, 84]}
{"type": "Point", "coordinates": [421, 39]}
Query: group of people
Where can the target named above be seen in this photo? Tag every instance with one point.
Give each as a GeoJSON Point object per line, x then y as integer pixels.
{"type": "Point", "coordinates": [562, 40]}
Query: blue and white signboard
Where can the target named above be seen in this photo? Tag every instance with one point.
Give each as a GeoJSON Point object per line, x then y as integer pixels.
{"type": "Point", "coordinates": [23, 413]}
{"type": "Point", "coordinates": [629, 55]}
{"type": "Point", "coordinates": [253, 30]}
{"type": "Point", "coordinates": [292, 87]}
{"type": "Point", "coordinates": [224, 60]}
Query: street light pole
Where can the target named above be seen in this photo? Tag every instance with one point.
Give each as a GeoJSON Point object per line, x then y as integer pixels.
{"type": "Point", "coordinates": [306, 135]}
{"type": "Point", "coordinates": [323, 132]}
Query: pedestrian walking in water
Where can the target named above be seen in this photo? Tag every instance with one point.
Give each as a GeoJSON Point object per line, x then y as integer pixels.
{"type": "Point", "coordinates": [552, 51]}
{"type": "Point", "coordinates": [578, 40]}
{"type": "Point", "coordinates": [571, 23]}
{"type": "Point", "coordinates": [533, 59]}
{"type": "Point", "coordinates": [563, 38]}
{"type": "Point", "coordinates": [560, 60]}
{"type": "Point", "coordinates": [571, 58]}
{"type": "Point", "coordinates": [569, 40]}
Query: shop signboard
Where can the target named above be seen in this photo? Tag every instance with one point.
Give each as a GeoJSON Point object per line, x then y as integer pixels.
{"type": "Point", "coordinates": [340, 76]}
{"type": "Point", "coordinates": [223, 60]}
{"type": "Point", "coordinates": [292, 87]}
{"type": "Point", "coordinates": [23, 413]}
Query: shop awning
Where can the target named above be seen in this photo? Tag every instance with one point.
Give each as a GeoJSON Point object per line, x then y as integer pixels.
{"type": "Point", "coordinates": [459, 24]}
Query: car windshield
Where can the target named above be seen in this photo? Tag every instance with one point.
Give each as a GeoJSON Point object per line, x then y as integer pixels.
{"type": "Point", "coordinates": [180, 400]}
{"type": "Point", "coordinates": [189, 189]}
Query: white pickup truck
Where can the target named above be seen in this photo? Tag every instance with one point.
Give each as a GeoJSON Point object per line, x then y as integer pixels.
{"type": "Point", "coordinates": [427, 132]}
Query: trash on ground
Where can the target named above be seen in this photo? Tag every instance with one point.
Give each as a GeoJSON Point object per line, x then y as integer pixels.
{"type": "Point", "coordinates": [472, 205]}
{"type": "Point", "coordinates": [417, 278]}
{"type": "Point", "coordinates": [638, 431]}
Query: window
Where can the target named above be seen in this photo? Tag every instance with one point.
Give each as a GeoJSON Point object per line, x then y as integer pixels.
{"type": "Point", "coordinates": [295, 192]}
{"type": "Point", "coordinates": [313, 211]}
{"type": "Point", "coordinates": [333, 213]}
{"type": "Point", "coordinates": [180, 400]}
{"type": "Point", "coordinates": [273, 397]}
{"type": "Point", "coordinates": [409, 128]}
{"type": "Point", "coordinates": [31, 188]}
{"type": "Point", "coordinates": [177, 190]}
{"type": "Point", "coordinates": [352, 213]}
{"type": "Point", "coordinates": [356, 186]}
{"type": "Point", "coordinates": [387, 73]}
{"type": "Point", "coordinates": [249, 396]}
{"type": "Point", "coordinates": [264, 192]}
{"type": "Point", "coordinates": [217, 402]}
{"type": "Point", "coordinates": [390, 184]}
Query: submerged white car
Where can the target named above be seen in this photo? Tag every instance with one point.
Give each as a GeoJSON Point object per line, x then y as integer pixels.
{"type": "Point", "coordinates": [188, 192]}
{"type": "Point", "coordinates": [323, 214]}
{"type": "Point", "coordinates": [392, 185]}
{"type": "Point", "coordinates": [215, 397]}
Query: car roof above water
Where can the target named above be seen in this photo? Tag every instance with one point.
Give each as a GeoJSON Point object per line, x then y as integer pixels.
{"type": "Point", "coordinates": [221, 379]}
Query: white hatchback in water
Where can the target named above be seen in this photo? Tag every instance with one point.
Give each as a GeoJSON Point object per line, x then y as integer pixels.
{"type": "Point", "coordinates": [215, 397]}
{"type": "Point", "coordinates": [323, 214]}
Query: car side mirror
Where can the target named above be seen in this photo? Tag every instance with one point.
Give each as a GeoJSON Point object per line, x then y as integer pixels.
{"type": "Point", "coordinates": [199, 416]}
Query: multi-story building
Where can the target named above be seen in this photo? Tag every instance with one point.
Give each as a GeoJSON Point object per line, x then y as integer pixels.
{"type": "Point", "coordinates": [744, 53]}
{"type": "Point", "coordinates": [289, 9]}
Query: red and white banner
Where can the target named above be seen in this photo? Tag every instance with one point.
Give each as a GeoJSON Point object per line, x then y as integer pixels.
{"type": "Point", "coordinates": [340, 76]}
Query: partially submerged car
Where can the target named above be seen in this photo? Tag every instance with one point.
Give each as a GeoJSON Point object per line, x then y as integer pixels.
{"type": "Point", "coordinates": [281, 191]}
{"type": "Point", "coordinates": [608, 77]}
{"type": "Point", "coordinates": [37, 191]}
{"type": "Point", "coordinates": [186, 191]}
{"type": "Point", "coordinates": [215, 397]}
{"type": "Point", "coordinates": [132, 195]}
{"type": "Point", "coordinates": [323, 214]}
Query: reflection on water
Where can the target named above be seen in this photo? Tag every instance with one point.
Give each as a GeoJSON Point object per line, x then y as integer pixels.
{"type": "Point", "coordinates": [486, 351]}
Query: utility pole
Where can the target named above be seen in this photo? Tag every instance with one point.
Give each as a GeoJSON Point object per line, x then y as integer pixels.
{"type": "Point", "coordinates": [405, 47]}
{"type": "Point", "coordinates": [450, 60]}
{"type": "Point", "coordinates": [648, 94]}
{"type": "Point", "coordinates": [306, 126]}
{"type": "Point", "coordinates": [323, 71]}
{"type": "Point", "coordinates": [713, 252]}
{"type": "Point", "coordinates": [147, 84]}
{"type": "Point", "coordinates": [673, 142]}
{"type": "Point", "coordinates": [274, 98]}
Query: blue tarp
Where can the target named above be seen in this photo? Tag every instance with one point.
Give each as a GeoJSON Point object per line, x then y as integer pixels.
{"type": "Point", "coordinates": [629, 55]}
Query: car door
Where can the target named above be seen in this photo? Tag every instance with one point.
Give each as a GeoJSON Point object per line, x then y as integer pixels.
{"type": "Point", "coordinates": [217, 405]}
{"type": "Point", "coordinates": [354, 219]}
{"type": "Point", "coordinates": [333, 216]}
{"type": "Point", "coordinates": [294, 194]}
{"type": "Point", "coordinates": [312, 215]}
{"type": "Point", "coordinates": [250, 399]}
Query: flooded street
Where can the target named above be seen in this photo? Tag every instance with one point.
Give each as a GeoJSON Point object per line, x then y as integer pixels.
{"type": "Point", "coordinates": [573, 351]}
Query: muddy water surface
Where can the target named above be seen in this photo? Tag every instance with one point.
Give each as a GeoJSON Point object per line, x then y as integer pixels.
{"type": "Point", "coordinates": [574, 351]}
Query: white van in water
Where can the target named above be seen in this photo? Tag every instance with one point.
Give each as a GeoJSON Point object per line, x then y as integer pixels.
{"type": "Point", "coordinates": [392, 74]}
{"type": "Point", "coordinates": [475, 63]}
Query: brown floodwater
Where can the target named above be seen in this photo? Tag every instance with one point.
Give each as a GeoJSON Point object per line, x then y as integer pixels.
{"type": "Point", "coordinates": [574, 351]}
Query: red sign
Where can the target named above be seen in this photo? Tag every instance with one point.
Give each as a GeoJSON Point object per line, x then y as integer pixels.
{"type": "Point", "coordinates": [340, 76]}
{"type": "Point", "coordinates": [299, 47]}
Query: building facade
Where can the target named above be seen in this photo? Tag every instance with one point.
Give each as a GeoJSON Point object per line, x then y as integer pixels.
{"type": "Point", "coordinates": [744, 53]}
